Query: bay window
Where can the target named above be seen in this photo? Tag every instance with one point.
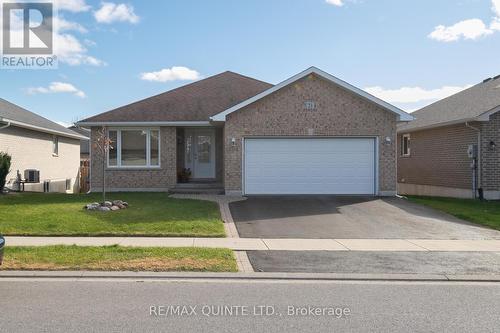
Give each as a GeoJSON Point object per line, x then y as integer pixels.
{"type": "Point", "coordinates": [134, 148]}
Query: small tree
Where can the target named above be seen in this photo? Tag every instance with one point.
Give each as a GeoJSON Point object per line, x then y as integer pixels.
{"type": "Point", "coordinates": [103, 145]}
{"type": "Point", "coordinates": [5, 160]}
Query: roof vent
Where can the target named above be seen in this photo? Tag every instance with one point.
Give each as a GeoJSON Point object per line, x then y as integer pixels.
{"type": "Point", "coordinates": [487, 80]}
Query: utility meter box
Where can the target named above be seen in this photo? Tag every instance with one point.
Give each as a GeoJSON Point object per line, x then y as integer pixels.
{"type": "Point", "coordinates": [472, 151]}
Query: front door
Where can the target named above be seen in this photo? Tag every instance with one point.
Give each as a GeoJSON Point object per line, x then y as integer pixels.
{"type": "Point", "coordinates": [199, 148]}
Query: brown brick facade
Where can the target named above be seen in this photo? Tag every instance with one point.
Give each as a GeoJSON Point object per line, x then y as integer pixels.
{"type": "Point", "coordinates": [338, 113]}
{"type": "Point", "coordinates": [159, 179]}
{"type": "Point", "coordinates": [438, 157]}
{"type": "Point", "coordinates": [490, 172]}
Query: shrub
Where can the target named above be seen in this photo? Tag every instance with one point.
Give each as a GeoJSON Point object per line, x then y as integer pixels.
{"type": "Point", "coordinates": [4, 169]}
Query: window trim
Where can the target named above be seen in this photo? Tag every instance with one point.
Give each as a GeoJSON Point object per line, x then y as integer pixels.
{"type": "Point", "coordinates": [148, 165]}
{"type": "Point", "coordinates": [408, 149]}
{"type": "Point", "coordinates": [55, 146]}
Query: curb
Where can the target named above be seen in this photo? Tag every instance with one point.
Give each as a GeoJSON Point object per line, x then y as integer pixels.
{"type": "Point", "coordinates": [246, 276]}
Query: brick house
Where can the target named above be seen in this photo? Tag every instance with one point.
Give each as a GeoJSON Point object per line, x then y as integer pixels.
{"type": "Point", "coordinates": [450, 149]}
{"type": "Point", "coordinates": [36, 143]}
{"type": "Point", "coordinates": [310, 134]}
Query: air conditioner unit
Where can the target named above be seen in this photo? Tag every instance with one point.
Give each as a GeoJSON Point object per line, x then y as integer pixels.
{"type": "Point", "coordinates": [32, 176]}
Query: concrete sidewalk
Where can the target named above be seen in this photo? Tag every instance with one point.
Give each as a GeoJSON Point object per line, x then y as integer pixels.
{"type": "Point", "coordinates": [257, 244]}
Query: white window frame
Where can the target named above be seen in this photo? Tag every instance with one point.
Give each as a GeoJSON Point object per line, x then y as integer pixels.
{"type": "Point", "coordinates": [118, 147]}
{"type": "Point", "coordinates": [55, 145]}
{"type": "Point", "coordinates": [408, 139]}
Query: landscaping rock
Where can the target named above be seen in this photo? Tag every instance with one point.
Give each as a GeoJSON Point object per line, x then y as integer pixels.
{"type": "Point", "coordinates": [125, 203]}
{"type": "Point", "coordinates": [92, 206]}
{"type": "Point", "coordinates": [106, 206]}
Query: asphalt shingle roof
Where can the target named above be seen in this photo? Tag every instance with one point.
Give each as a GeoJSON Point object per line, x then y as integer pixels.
{"type": "Point", "coordinates": [465, 105]}
{"type": "Point", "coordinates": [197, 101]}
{"type": "Point", "coordinates": [10, 111]}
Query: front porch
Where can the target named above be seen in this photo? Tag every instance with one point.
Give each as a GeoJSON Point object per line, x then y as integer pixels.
{"type": "Point", "coordinates": [200, 161]}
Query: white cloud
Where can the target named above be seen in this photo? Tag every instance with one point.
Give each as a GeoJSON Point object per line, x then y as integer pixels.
{"type": "Point", "coordinates": [468, 29]}
{"type": "Point", "coordinates": [63, 25]}
{"type": "Point", "coordinates": [89, 42]}
{"type": "Point", "coordinates": [67, 47]}
{"type": "Point", "coordinates": [414, 94]}
{"type": "Point", "coordinates": [58, 87]}
{"type": "Point", "coordinates": [70, 51]}
{"type": "Point", "coordinates": [72, 5]}
{"type": "Point", "coordinates": [171, 74]}
{"type": "Point", "coordinates": [496, 7]}
{"type": "Point", "coordinates": [338, 3]}
{"type": "Point", "coordinates": [112, 12]}
{"type": "Point", "coordinates": [495, 24]}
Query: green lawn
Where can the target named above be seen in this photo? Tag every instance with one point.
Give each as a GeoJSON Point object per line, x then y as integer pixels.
{"type": "Point", "coordinates": [116, 258]}
{"type": "Point", "coordinates": [481, 212]}
{"type": "Point", "coordinates": [149, 214]}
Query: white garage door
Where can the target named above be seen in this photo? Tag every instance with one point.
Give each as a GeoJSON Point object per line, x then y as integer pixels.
{"type": "Point", "coordinates": [309, 166]}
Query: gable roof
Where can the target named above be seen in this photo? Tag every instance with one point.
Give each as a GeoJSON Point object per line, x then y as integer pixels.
{"type": "Point", "coordinates": [197, 101]}
{"type": "Point", "coordinates": [17, 116]}
{"type": "Point", "coordinates": [403, 116]}
{"type": "Point", "coordinates": [476, 103]}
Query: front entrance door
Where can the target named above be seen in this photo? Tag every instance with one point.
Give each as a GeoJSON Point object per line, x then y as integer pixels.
{"type": "Point", "coordinates": [199, 149]}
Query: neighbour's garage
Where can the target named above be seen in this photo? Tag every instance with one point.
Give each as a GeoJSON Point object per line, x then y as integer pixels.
{"type": "Point", "coordinates": [310, 166]}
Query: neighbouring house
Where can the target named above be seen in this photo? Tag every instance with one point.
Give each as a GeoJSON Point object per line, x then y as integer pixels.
{"type": "Point", "coordinates": [310, 134]}
{"type": "Point", "coordinates": [45, 155]}
{"type": "Point", "coordinates": [84, 143]}
{"type": "Point", "coordinates": [450, 149]}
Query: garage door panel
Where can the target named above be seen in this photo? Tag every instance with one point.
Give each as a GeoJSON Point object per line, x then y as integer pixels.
{"type": "Point", "coordinates": [309, 166]}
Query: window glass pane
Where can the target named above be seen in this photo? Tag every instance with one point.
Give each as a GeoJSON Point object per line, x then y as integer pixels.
{"type": "Point", "coordinates": [154, 147]}
{"type": "Point", "coordinates": [188, 148]}
{"type": "Point", "coordinates": [404, 145]}
{"type": "Point", "coordinates": [113, 149]}
{"type": "Point", "coordinates": [133, 147]}
{"type": "Point", "coordinates": [203, 149]}
{"type": "Point", "coordinates": [55, 145]}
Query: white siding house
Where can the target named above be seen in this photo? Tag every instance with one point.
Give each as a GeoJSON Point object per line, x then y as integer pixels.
{"type": "Point", "coordinates": [35, 143]}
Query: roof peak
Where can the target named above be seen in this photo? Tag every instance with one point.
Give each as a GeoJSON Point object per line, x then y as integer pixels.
{"type": "Point", "coordinates": [403, 116]}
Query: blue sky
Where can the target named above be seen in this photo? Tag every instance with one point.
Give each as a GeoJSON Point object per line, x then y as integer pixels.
{"type": "Point", "coordinates": [111, 53]}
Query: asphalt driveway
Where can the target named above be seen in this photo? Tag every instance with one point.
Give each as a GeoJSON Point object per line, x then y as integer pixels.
{"type": "Point", "coordinates": [348, 217]}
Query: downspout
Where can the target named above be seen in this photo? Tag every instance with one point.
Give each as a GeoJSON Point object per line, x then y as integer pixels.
{"type": "Point", "coordinates": [90, 163]}
{"type": "Point", "coordinates": [5, 126]}
{"type": "Point", "coordinates": [477, 184]}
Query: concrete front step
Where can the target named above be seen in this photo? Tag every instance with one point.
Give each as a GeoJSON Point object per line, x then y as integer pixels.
{"type": "Point", "coordinates": [177, 190]}
{"type": "Point", "coordinates": [198, 188]}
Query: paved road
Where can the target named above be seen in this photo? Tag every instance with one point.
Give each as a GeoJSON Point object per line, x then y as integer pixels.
{"type": "Point", "coordinates": [361, 262]}
{"type": "Point", "coordinates": [125, 306]}
{"type": "Point", "coordinates": [348, 217]}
